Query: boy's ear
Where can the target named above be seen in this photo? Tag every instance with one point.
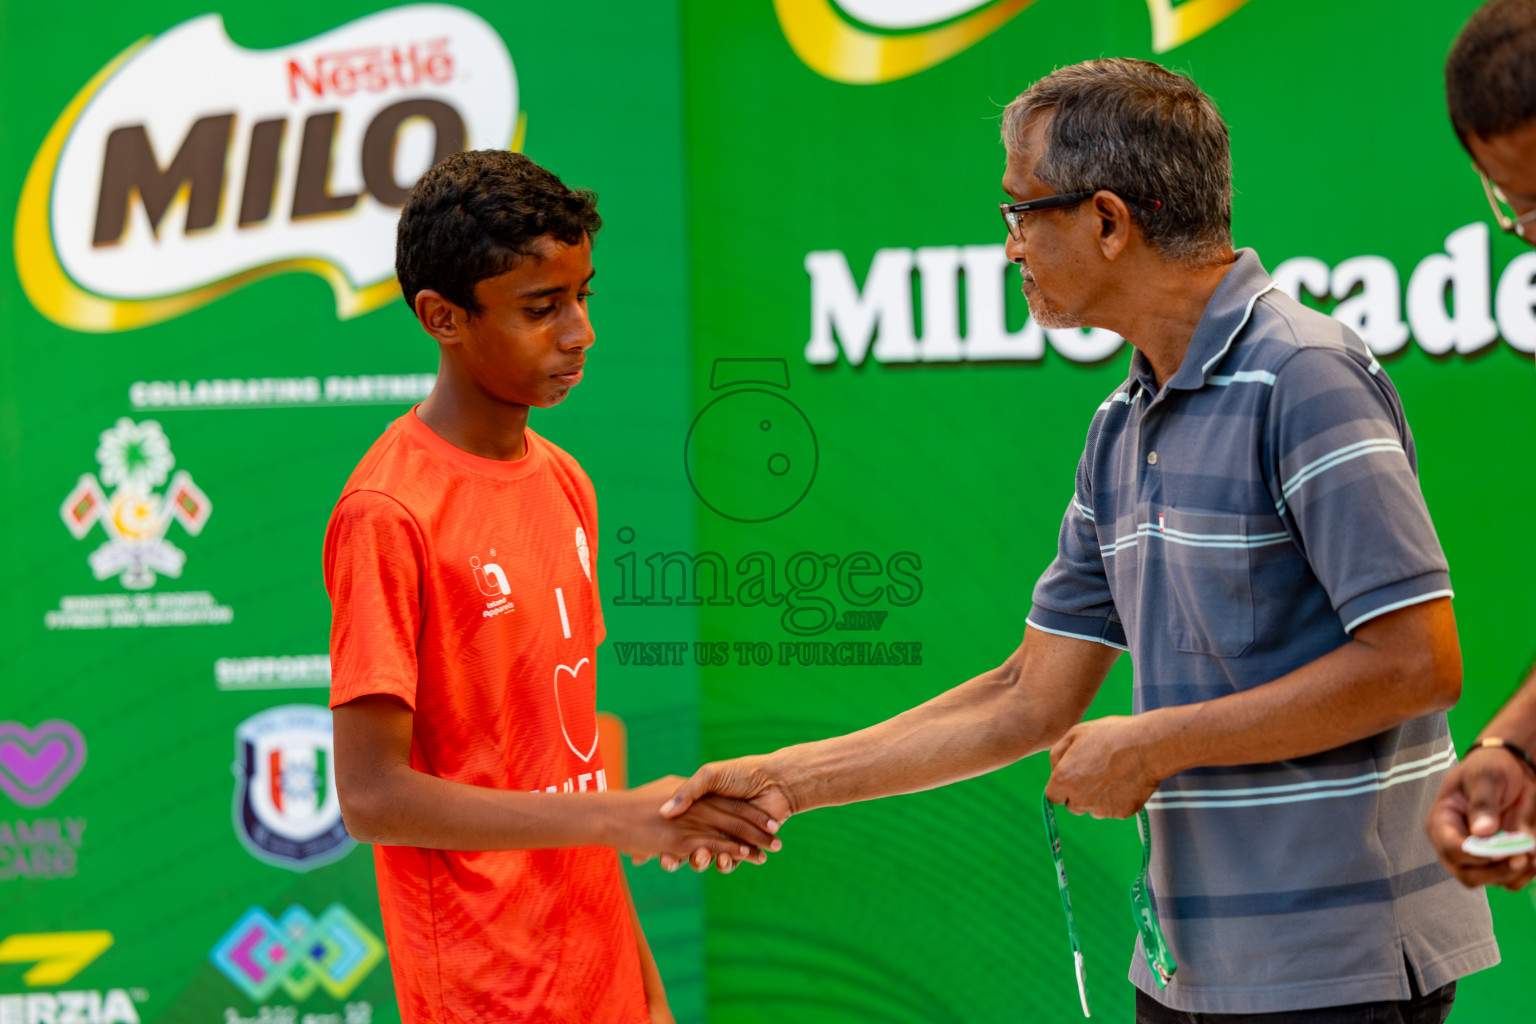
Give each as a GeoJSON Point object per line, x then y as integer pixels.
{"type": "Point", "coordinates": [439, 317]}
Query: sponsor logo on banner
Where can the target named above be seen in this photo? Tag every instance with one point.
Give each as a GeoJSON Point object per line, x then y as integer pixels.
{"type": "Point", "coordinates": [40, 849]}
{"type": "Point", "coordinates": [36, 764]}
{"type": "Point", "coordinates": [150, 198]}
{"type": "Point", "coordinates": [136, 461]}
{"type": "Point", "coordinates": [864, 42]}
{"type": "Point", "coordinates": [56, 957]}
{"type": "Point", "coordinates": [297, 953]}
{"type": "Point", "coordinates": [136, 500]}
{"type": "Point", "coordinates": [35, 767]}
{"type": "Point", "coordinates": [286, 809]}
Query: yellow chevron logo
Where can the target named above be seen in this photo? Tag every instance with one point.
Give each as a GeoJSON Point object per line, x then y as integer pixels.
{"type": "Point", "coordinates": [837, 48]}
{"type": "Point", "coordinates": [58, 956]}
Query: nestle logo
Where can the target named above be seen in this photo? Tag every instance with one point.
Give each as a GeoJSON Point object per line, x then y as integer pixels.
{"type": "Point", "coordinates": [372, 69]}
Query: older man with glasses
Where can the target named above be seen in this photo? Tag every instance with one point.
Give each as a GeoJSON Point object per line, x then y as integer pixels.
{"type": "Point", "coordinates": [1246, 521]}
{"type": "Point", "coordinates": [1490, 86]}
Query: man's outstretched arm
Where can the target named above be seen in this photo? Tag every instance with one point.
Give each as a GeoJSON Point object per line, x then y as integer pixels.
{"type": "Point", "coordinates": [1016, 709]}
{"type": "Point", "coordinates": [386, 801]}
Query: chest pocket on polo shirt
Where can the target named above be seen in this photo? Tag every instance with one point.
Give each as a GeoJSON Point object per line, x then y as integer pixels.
{"type": "Point", "coordinates": [1206, 563]}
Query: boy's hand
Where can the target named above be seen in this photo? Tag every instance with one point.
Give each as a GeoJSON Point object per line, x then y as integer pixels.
{"type": "Point", "coordinates": [733, 828]}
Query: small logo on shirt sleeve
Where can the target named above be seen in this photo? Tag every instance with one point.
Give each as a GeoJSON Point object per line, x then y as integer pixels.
{"type": "Point", "coordinates": [583, 552]}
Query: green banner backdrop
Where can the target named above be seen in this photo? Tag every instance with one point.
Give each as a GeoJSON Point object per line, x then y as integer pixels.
{"type": "Point", "coordinates": [830, 449]}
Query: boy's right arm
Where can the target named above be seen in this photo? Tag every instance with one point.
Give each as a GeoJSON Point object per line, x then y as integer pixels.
{"type": "Point", "coordinates": [386, 801]}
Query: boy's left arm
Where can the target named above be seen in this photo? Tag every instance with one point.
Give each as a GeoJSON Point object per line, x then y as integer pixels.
{"type": "Point", "coordinates": [655, 991]}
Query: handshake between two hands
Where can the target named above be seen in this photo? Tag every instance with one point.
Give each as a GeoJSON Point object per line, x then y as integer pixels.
{"type": "Point", "coordinates": [728, 812]}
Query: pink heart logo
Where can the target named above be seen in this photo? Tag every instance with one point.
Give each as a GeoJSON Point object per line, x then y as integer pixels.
{"type": "Point", "coordinates": [36, 764]}
{"type": "Point", "coordinates": [577, 704]}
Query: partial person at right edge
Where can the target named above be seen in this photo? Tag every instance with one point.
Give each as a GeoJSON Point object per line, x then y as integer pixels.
{"type": "Point", "coordinates": [1490, 89]}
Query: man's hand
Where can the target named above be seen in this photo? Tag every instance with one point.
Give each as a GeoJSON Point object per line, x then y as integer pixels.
{"type": "Point", "coordinates": [1101, 768]}
{"type": "Point", "coordinates": [718, 827]}
{"type": "Point", "coordinates": [746, 778]}
{"type": "Point", "coordinates": [1488, 791]}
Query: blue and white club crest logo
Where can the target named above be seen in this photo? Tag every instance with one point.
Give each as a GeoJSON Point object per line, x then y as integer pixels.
{"type": "Point", "coordinates": [287, 812]}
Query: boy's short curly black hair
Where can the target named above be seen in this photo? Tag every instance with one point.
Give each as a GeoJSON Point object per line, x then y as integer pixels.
{"type": "Point", "coordinates": [476, 215]}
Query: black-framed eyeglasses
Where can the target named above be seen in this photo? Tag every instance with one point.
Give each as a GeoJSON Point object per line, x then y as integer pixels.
{"type": "Point", "coordinates": [1011, 211]}
{"type": "Point", "coordinates": [1504, 212]}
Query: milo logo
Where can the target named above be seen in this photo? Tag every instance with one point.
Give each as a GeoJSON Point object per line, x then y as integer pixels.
{"type": "Point", "coordinates": [190, 166]}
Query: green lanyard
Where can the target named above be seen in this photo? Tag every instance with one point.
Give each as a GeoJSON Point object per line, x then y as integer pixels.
{"type": "Point", "coordinates": [1153, 944]}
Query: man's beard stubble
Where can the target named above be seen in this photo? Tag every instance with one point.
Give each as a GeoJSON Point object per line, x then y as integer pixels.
{"type": "Point", "coordinates": [1044, 314]}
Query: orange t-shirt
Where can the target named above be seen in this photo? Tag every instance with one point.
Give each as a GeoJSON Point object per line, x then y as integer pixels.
{"type": "Point", "coordinates": [466, 587]}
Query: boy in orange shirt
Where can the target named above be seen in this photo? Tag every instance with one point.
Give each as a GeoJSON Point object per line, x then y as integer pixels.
{"type": "Point", "coordinates": [461, 565]}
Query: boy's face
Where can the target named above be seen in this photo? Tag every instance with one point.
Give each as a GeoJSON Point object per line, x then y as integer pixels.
{"type": "Point", "coordinates": [528, 343]}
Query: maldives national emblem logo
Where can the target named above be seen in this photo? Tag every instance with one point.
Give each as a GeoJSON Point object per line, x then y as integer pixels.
{"type": "Point", "coordinates": [136, 461]}
{"type": "Point", "coordinates": [286, 810]}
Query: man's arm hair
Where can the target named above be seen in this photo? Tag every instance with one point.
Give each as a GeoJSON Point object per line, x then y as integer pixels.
{"type": "Point", "coordinates": [386, 801]}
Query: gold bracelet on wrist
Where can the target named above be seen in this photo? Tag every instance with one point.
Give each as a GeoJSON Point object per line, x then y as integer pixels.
{"type": "Point", "coordinates": [1503, 744]}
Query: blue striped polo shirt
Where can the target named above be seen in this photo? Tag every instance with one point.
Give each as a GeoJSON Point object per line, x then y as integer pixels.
{"type": "Point", "coordinates": [1228, 528]}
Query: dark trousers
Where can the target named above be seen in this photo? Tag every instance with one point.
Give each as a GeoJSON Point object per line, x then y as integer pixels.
{"type": "Point", "coordinates": [1432, 1008]}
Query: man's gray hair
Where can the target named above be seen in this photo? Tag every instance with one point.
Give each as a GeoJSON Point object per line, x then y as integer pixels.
{"type": "Point", "coordinates": [1138, 129]}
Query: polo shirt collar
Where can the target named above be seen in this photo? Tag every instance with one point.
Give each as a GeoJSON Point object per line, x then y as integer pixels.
{"type": "Point", "coordinates": [1225, 314]}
